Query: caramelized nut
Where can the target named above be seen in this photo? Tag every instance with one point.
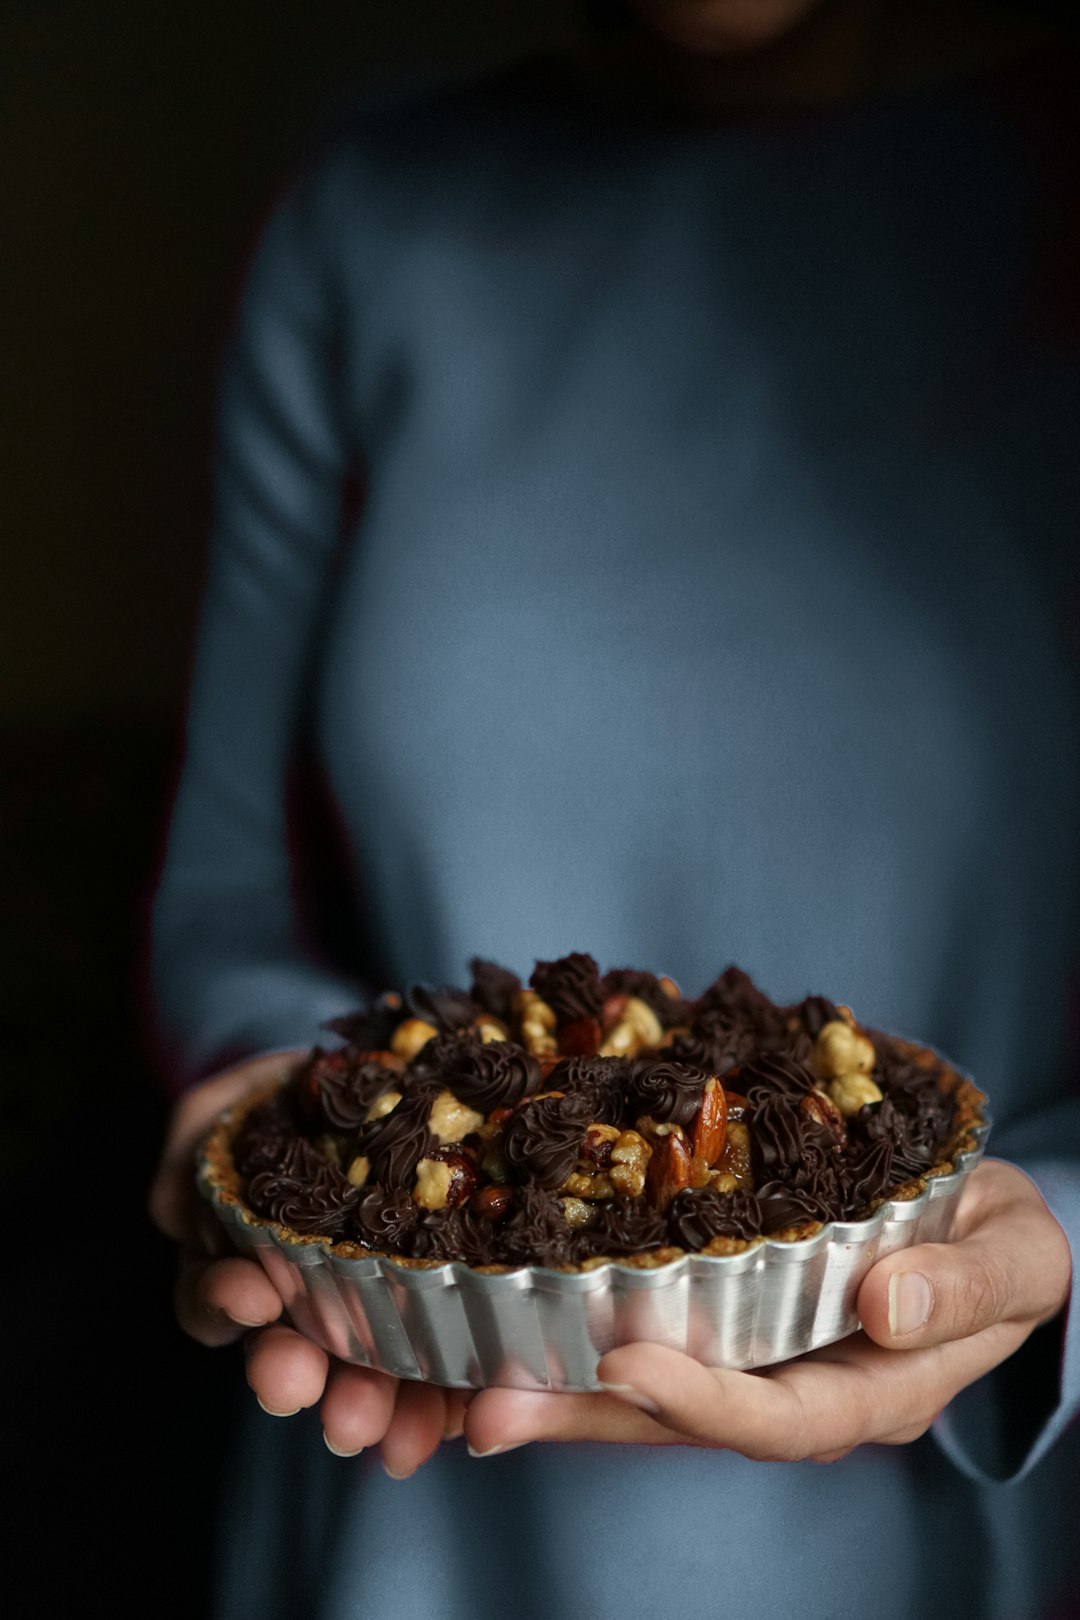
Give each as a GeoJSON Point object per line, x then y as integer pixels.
{"type": "Point", "coordinates": [577, 1212]}
{"type": "Point", "coordinates": [629, 1161]}
{"type": "Point", "coordinates": [669, 1171]}
{"type": "Point", "coordinates": [492, 1203]}
{"type": "Point", "coordinates": [850, 1092]}
{"type": "Point", "coordinates": [596, 1187]}
{"type": "Point", "coordinates": [451, 1120]}
{"type": "Point", "coordinates": [722, 1181]}
{"type": "Point", "coordinates": [411, 1037]}
{"type": "Point", "coordinates": [735, 1159]}
{"type": "Point", "coordinates": [816, 1105]}
{"type": "Point", "coordinates": [444, 1180]}
{"type": "Point", "coordinates": [670, 988]}
{"type": "Point", "coordinates": [839, 1049]}
{"type": "Point", "coordinates": [710, 1127]}
{"type": "Point", "coordinates": [599, 1142]}
{"type": "Point", "coordinates": [491, 1029]}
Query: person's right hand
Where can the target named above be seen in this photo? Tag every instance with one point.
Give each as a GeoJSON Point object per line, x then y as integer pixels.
{"type": "Point", "coordinates": [221, 1298]}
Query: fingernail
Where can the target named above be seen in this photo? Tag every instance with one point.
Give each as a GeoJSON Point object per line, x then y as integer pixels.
{"type": "Point", "coordinates": [910, 1299]}
{"type": "Point", "coordinates": [338, 1452]}
{"type": "Point", "coordinates": [632, 1396]}
{"type": "Point", "coordinates": [272, 1413]}
{"type": "Point", "coordinates": [496, 1451]}
{"type": "Point", "coordinates": [244, 1321]}
{"type": "Point", "coordinates": [389, 1472]}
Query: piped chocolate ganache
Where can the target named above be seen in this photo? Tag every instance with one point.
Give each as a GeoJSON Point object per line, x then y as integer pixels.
{"type": "Point", "coordinates": [587, 1116]}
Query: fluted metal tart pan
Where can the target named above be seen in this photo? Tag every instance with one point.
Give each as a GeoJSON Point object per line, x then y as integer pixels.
{"type": "Point", "coordinates": [535, 1328]}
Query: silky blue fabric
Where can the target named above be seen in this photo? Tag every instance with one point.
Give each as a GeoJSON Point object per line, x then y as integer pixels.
{"type": "Point", "coordinates": [707, 603]}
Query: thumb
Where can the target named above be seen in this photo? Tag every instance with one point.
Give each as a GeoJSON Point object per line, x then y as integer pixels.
{"type": "Point", "coordinates": [938, 1292]}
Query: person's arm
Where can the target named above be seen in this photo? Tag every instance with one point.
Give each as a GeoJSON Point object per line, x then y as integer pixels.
{"type": "Point", "coordinates": [232, 974]}
{"type": "Point", "coordinates": [1000, 1427]}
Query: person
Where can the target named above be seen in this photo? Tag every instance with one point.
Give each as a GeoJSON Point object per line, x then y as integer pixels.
{"type": "Point", "coordinates": [706, 602]}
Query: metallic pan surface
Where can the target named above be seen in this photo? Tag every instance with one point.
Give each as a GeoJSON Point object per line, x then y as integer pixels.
{"type": "Point", "coordinates": [533, 1328]}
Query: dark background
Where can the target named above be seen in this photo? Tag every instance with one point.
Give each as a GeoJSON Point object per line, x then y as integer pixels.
{"type": "Point", "coordinates": [141, 145]}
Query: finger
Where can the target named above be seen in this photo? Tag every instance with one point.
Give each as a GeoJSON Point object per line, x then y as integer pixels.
{"type": "Point", "coordinates": [1014, 1268]}
{"type": "Point", "coordinates": [457, 1404]}
{"type": "Point", "coordinates": [285, 1371]}
{"type": "Point", "coordinates": [218, 1301]}
{"type": "Point", "coordinates": [502, 1419]}
{"type": "Point", "coordinates": [357, 1408]}
{"type": "Point", "coordinates": [415, 1428]}
{"type": "Point", "coordinates": [824, 1403]}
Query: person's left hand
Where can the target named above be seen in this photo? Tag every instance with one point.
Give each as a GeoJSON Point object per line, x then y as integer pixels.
{"type": "Point", "coordinates": [935, 1318]}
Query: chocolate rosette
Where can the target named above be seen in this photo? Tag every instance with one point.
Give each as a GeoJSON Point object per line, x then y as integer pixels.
{"type": "Point", "coordinates": [383, 1218]}
{"type": "Point", "coordinates": [598, 1079]}
{"type": "Point", "coordinates": [815, 1012]}
{"type": "Point", "coordinates": [715, 1042]}
{"type": "Point", "coordinates": [666, 1089]}
{"type": "Point", "coordinates": [542, 1140]}
{"type": "Point", "coordinates": [698, 1216]}
{"type": "Point", "coordinates": [486, 1076]}
{"type": "Point", "coordinates": [336, 1090]}
{"type": "Point", "coordinates": [537, 1232]}
{"type": "Point", "coordinates": [783, 1206]}
{"type": "Point", "coordinates": [627, 1226]}
{"type": "Point", "coordinates": [395, 1143]}
{"type": "Point", "coordinates": [453, 1234]}
{"type": "Point", "coordinates": [445, 1006]}
{"type": "Point", "coordinates": [494, 988]}
{"type": "Point", "coordinates": [571, 986]}
{"type": "Point", "coordinates": [307, 1193]}
{"type": "Point", "coordinates": [773, 1074]}
{"type": "Point", "coordinates": [266, 1138]}
{"type": "Point", "coordinates": [371, 1029]}
{"type": "Point", "coordinates": [866, 1174]}
{"type": "Point", "coordinates": [646, 987]}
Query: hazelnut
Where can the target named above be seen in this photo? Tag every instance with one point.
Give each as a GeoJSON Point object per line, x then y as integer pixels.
{"type": "Point", "coordinates": [537, 1022]}
{"type": "Point", "coordinates": [491, 1029]}
{"type": "Point", "coordinates": [359, 1170]}
{"type": "Point", "coordinates": [411, 1037]}
{"type": "Point", "coordinates": [383, 1105]}
{"type": "Point", "coordinates": [850, 1092]}
{"type": "Point", "coordinates": [670, 988]}
{"type": "Point", "coordinates": [444, 1180]}
{"type": "Point", "coordinates": [451, 1120]}
{"type": "Point", "coordinates": [638, 1026]}
{"type": "Point", "coordinates": [492, 1203]}
{"type": "Point", "coordinates": [839, 1049]}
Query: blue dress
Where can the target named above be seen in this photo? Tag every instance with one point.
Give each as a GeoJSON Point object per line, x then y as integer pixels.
{"type": "Point", "coordinates": [707, 601]}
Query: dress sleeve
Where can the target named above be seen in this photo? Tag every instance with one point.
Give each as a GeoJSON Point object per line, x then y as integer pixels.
{"type": "Point", "coordinates": [1001, 1427]}
{"type": "Point", "coordinates": [231, 971]}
